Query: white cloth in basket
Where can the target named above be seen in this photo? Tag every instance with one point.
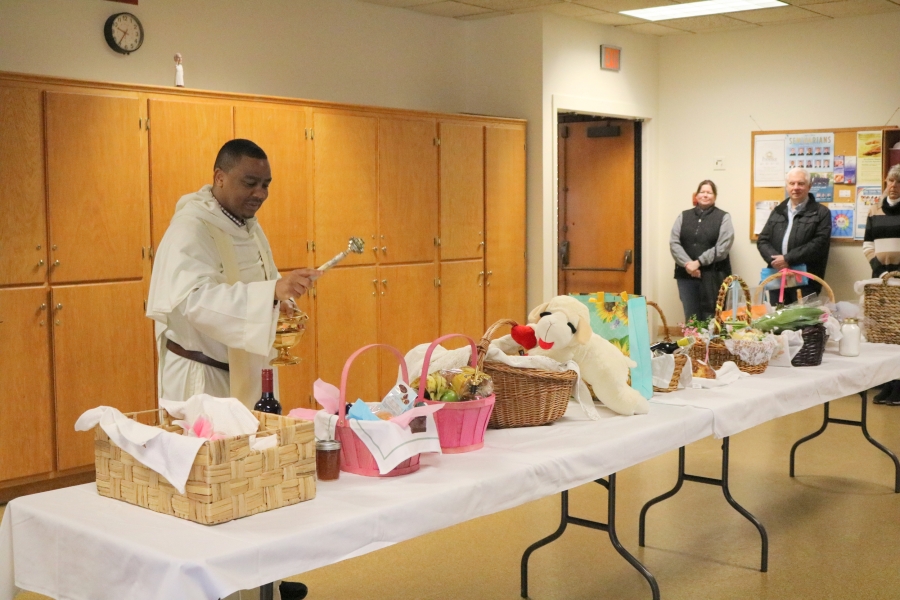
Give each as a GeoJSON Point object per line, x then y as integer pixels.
{"type": "Point", "coordinates": [726, 375]}
{"type": "Point", "coordinates": [663, 367]}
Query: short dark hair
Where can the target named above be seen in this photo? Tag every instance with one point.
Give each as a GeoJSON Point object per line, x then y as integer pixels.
{"type": "Point", "coordinates": [710, 184]}
{"type": "Point", "coordinates": [230, 154]}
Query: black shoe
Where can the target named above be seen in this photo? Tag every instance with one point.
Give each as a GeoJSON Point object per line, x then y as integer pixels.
{"type": "Point", "coordinates": [291, 590]}
{"type": "Point", "coordinates": [894, 398]}
{"type": "Point", "coordinates": [882, 396]}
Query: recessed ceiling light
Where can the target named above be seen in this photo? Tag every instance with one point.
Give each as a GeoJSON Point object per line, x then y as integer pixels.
{"type": "Point", "coordinates": [698, 9]}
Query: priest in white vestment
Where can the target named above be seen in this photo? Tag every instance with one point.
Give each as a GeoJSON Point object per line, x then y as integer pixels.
{"type": "Point", "coordinates": [215, 291]}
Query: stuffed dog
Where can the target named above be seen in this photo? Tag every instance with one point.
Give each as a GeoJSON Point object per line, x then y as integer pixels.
{"type": "Point", "coordinates": [561, 330]}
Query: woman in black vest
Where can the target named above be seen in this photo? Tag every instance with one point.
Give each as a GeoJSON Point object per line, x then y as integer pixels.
{"type": "Point", "coordinates": [700, 242]}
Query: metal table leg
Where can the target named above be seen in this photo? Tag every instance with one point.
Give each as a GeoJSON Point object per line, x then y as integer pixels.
{"type": "Point", "coordinates": [566, 519]}
{"type": "Point", "coordinates": [267, 592]}
{"type": "Point", "coordinates": [723, 483]}
{"type": "Point", "coordinates": [862, 423]}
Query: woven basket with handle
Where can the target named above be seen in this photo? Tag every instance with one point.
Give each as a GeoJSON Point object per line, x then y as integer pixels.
{"type": "Point", "coordinates": [524, 397]}
{"type": "Point", "coordinates": [680, 359]}
{"type": "Point", "coordinates": [882, 310]}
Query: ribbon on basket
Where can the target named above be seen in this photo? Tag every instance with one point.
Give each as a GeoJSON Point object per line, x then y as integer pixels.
{"type": "Point", "coordinates": [784, 274]}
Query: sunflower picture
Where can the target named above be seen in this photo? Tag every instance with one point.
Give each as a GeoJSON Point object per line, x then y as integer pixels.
{"type": "Point", "coordinates": [622, 345]}
{"type": "Point", "coordinates": [615, 313]}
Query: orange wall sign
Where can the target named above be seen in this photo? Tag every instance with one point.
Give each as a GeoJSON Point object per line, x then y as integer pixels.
{"type": "Point", "coordinates": [610, 58]}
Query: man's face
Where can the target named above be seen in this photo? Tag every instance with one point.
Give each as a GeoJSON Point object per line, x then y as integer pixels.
{"type": "Point", "coordinates": [892, 188]}
{"type": "Point", "coordinates": [797, 186]}
{"type": "Point", "coordinates": [243, 188]}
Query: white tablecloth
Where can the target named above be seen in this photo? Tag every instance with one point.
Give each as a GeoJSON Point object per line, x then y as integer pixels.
{"type": "Point", "coordinates": [73, 544]}
{"type": "Point", "coordinates": [781, 391]}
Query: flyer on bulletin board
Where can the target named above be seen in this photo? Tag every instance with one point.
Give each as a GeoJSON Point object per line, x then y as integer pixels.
{"type": "Point", "coordinates": [868, 157]}
{"type": "Point", "coordinates": [768, 160]}
{"type": "Point", "coordinates": [845, 170]}
{"type": "Point", "coordinates": [867, 196]}
{"type": "Point", "coordinates": [763, 210]}
{"type": "Point", "coordinates": [813, 152]}
{"type": "Point", "coordinates": [841, 220]}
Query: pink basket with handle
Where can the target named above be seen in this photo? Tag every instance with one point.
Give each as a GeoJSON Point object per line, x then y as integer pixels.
{"type": "Point", "coordinates": [461, 425]}
{"type": "Point", "coordinates": [355, 456]}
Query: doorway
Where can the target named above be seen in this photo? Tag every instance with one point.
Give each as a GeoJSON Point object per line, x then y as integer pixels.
{"type": "Point", "coordinates": [599, 204]}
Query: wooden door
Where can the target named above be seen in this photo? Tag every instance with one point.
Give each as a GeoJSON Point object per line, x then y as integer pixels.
{"type": "Point", "coordinates": [407, 190]}
{"type": "Point", "coordinates": [462, 299]}
{"type": "Point", "coordinates": [462, 191]}
{"type": "Point", "coordinates": [102, 355]}
{"type": "Point", "coordinates": [185, 138]}
{"type": "Point", "coordinates": [345, 322]}
{"type": "Point", "coordinates": [408, 313]}
{"type": "Point", "coordinates": [26, 420]}
{"type": "Point", "coordinates": [295, 381]}
{"type": "Point", "coordinates": [280, 132]}
{"type": "Point", "coordinates": [504, 208]}
{"type": "Point", "coordinates": [23, 228]}
{"type": "Point", "coordinates": [346, 184]}
{"type": "Point", "coordinates": [597, 210]}
{"type": "Point", "coordinates": [96, 187]}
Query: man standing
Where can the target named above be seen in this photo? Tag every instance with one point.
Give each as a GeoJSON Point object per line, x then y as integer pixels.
{"type": "Point", "coordinates": [214, 290]}
{"type": "Point", "coordinates": [798, 232]}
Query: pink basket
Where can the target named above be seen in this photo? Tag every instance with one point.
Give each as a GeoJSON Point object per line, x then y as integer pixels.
{"type": "Point", "coordinates": [461, 425]}
{"type": "Point", "coordinates": [355, 457]}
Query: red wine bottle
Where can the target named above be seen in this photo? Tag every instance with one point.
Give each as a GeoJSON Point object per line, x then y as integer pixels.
{"type": "Point", "coordinates": [267, 402]}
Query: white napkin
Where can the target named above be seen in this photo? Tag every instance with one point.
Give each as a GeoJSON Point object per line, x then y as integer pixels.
{"type": "Point", "coordinates": [790, 344]}
{"type": "Point", "coordinates": [229, 416]}
{"type": "Point", "coordinates": [728, 374]}
{"type": "Point", "coordinates": [171, 455]}
{"type": "Point", "coordinates": [663, 367]}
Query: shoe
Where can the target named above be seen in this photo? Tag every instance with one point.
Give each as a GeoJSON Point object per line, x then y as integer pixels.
{"type": "Point", "coordinates": [894, 398]}
{"type": "Point", "coordinates": [292, 590]}
{"type": "Point", "coordinates": [882, 396]}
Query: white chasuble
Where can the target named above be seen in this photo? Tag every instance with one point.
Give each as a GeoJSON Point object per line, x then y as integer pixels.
{"type": "Point", "coordinates": [213, 291]}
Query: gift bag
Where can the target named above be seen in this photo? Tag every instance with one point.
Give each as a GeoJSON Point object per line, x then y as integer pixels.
{"type": "Point", "coordinates": [621, 319]}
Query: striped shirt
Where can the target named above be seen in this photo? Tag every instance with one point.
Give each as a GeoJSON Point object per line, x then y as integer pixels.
{"type": "Point", "coordinates": [882, 238]}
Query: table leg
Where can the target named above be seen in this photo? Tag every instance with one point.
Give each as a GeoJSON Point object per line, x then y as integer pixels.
{"type": "Point", "coordinates": [862, 423]}
{"type": "Point", "coordinates": [726, 491]}
{"type": "Point", "coordinates": [610, 528]}
{"type": "Point", "coordinates": [267, 592]}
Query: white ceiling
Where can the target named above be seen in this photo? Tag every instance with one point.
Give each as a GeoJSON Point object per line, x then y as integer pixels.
{"type": "Point", "coordinates": [606, 12]}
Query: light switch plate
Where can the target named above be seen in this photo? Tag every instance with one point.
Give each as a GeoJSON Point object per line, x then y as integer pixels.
{"type": "Point", "coordinates": [719, 164]}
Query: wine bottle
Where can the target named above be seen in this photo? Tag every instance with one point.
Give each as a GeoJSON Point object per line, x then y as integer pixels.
{"type": "Point", "coordinates": [267, 402]}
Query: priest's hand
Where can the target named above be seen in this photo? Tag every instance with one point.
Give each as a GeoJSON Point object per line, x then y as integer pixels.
{"type": "Point", "coordinates": [778, 262]}
{"type": "Point", "coordinates": [296, 283]}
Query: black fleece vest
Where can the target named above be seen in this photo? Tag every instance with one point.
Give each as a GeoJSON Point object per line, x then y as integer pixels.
{"type": "Point", "coordinates": [699, 233]}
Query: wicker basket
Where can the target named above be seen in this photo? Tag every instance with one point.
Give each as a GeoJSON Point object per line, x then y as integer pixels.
{"type": "Point", "coordinates": [718, 351]}
{"type": "Point", "coordinates": [524, 397]}
{"type": "Point", "coordinates": [680, 359]}
{"type": "Point", "coordinates": [881, 305]}
{"type": "Point", "coordinates": [228, 480]}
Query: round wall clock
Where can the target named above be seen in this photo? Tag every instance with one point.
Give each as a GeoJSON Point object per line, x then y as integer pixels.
{"type": "Point", "coordinates": [123, 32]}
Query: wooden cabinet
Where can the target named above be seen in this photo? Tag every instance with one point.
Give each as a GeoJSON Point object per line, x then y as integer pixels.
{"type": "Point", "coordinates": [504, 208]}
{"type": "Point", "coordinates": [284, 217]}
{"type": "Point", "coordinates": [96, 191]}
{"type": "Point", "coordinates": [462, 299]}
{"type": "Point", "coordinates": [295, 381]}
{"type": "Point", "coordinates": [185, 138]}
{"type": "Point", "coordinates": [102, 355]}
{"type": "Point", "coordinates": [26, 444]}
{"type": "Point", "coordinates": [462, 190]}
{"type": "Point", "coordinates": [23, 228]}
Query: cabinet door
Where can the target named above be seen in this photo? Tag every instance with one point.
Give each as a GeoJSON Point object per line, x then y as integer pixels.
{"type": "Point", "coordinates": [462, 191]}
{"type": "Point", "coordinates": [280, 132]}
{"type": "Point", "coordinates": [345, 322]}
{"type": "Point", "coordinates": [96, 187]}
{"type": "Point", "coordinates": [102, 355]}
{"type": "Point", "coordinates": [462, 300]}
{"type": "Point", "coordinates": [26, 445]}
{"type": "Point", "coordinates": [408, 313]}
{"type": "Point", "coordinates": [295, 381]}
{"type": "Point", "coordinates": [346, 184]}
{"type": "Point", "coordinates": [185, 138]}
{"type": "Point", "coordinates": [23, 229]}
{"type": "Point", "coordinates": [504, 208]}
{"type": "Point", "coordinates": [407, 190]}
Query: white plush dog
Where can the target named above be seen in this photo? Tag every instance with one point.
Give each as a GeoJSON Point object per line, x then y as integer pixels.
{"type": "Point", "coordinates": [561, 330]}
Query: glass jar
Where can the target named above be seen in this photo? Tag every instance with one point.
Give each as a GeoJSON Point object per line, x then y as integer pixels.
{"type": "Point", "coordinates": [849, 345]}
{"type": "Point", "coordinates": [328, 460]}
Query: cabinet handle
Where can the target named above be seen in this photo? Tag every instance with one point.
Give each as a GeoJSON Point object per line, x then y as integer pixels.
{"type": "Point", "coordinates": [489, 273]}
{"type": "Point", "coordinates": [55, 263]}
{"type": "Point", "coordinates": [43, 307]}
{"type": "Point", "coordinates": [383, 286]}
{"type": "Point", "coordinates": [375, 283]}
{"type": "Point", "coordinates": [59, 306]}
{"type": "Point", "coordinates": [41, 263]}
{"type": "Point", "coordinates": [384, 249]}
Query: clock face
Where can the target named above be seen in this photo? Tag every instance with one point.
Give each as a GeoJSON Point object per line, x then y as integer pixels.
{"type": "Point", "coordinates": [124, 33]}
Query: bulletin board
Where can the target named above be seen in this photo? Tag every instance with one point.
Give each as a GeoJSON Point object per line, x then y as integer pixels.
{"type": "Point", "coordinates": [847, 169]}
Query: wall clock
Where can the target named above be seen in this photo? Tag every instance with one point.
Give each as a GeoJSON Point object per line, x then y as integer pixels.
{"type": "Point", "coordinates": [123, 32]}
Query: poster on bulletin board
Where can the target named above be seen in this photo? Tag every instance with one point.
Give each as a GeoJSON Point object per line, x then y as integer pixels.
{"type": "Point", "coordinates": [813, 152]}
{"type": "Point", "coordinates": [842, 220]}
{"type": "Point", "coordinates": [867, 196]}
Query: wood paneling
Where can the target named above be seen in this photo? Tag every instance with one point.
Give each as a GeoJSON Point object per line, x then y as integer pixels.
{"type": "Point", "coordinates": [26, 420]}
{"type": "Point", "coordinates": [102, 355]}
{"type": "Point", "coordinates": [346, 184]}
{"type": "Point", "coordinates": [407, 190]}
{"type": "Point", "coordinates": [280, 132]}
{"type": "Point", "coordinates": [462, 299]}
{"type": "Point", "coordinates": [295, 381]}
{"type": "Point", "coordinates": [23, 228]}
{"type": "Point", "coordinates": [504, 208]}
{"type": "Point", "coordinates": [462, 191]}
{"type": "Point", "coordinates": [96, 188]}
{"type": "Point", "coordinates": [184, 140]}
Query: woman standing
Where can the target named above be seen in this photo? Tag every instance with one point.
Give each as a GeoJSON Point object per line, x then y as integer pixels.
{"type": "Point", "coordinates": [881, 245]}
{"type": "Point", "coordinates": [700, 242]}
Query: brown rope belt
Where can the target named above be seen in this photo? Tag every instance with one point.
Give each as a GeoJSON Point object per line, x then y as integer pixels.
{"type": "Point", "coordinates": [194, 356]}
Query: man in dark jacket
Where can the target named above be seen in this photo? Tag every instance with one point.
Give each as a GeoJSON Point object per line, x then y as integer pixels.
{"type": "Point", "coordinates": [798, 232]}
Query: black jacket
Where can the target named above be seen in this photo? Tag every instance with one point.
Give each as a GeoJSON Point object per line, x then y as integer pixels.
{"type": "Point", "coordinates": [810, 237]}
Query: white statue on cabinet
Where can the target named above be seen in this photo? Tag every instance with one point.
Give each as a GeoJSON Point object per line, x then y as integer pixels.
{"type": "Point", "coordinates": [179, 71]}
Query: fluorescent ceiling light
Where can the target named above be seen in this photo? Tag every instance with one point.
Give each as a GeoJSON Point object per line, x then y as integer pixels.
{"type": "Point", "coordinates": [699, 9]}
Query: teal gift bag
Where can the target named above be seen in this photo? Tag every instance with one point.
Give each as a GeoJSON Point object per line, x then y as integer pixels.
{"type": "Point", "coordinates": [621, 319]}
